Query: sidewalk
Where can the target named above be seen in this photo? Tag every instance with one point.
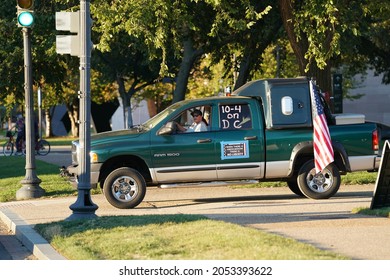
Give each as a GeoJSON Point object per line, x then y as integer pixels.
{"type": "Point", "coordinates": [326, 224]}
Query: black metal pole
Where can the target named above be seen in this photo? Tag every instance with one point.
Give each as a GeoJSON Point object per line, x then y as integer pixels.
{"type": "Point", "coordinates": [84, 207]}
{"type": "Point", "coordinates": [30, 184]}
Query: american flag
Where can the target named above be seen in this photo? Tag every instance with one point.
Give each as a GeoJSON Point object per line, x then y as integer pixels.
{"type": "Point", "coordinates": [323, 150]}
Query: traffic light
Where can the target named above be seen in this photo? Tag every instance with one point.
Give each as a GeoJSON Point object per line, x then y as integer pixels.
{"type": "Point", "coordinates": [25, 10]}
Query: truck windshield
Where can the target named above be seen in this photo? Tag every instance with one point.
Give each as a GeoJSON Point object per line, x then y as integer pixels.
{"type": "Point", "coordinates": [160, 116]}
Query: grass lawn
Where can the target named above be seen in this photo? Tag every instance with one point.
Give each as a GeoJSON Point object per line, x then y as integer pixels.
{"type": "Point", "coordinates": [172, 237]}
{"type": "Point", "coordinates": [61, 141]}
{"type": "Point", "coordinates": [382, 212]}
{"type": "Point", "coordinates": [13, 171]}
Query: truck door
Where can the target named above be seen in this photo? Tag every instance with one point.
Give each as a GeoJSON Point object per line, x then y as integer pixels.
{"type": "Point", "coordinates": [185, 155]}
{"type": "Point", "coordinates": [239, 140]}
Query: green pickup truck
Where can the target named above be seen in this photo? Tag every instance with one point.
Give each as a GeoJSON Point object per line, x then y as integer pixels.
{"type": "Point", "coordinates": [263, 132]}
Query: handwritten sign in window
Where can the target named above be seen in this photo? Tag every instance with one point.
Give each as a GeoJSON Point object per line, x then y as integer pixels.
{"type": "Point", "coordinates": [235, 116]}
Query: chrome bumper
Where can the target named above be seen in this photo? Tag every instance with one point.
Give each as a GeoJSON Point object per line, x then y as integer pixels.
{"type": "Point", "coordinates": [73, 174]}
{"type": "Point", "coordinates": [377, 162]}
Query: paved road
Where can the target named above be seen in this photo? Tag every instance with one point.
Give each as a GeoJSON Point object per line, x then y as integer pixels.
{"type": "Point", "coordinates": [59, 155]}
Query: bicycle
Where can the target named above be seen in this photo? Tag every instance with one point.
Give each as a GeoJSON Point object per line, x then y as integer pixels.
{"type": "Point", "coordinates": [42, 147]}
{"type": "Point", "coordinates": [8, 147]}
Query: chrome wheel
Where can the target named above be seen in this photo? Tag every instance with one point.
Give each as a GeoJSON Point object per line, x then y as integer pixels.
{"type": "Point", "coordinates": [320, 182]}
{"type": "Point", "coordinates": [321, 185]}
{"type": "Point", "coordinates": [124, 188]}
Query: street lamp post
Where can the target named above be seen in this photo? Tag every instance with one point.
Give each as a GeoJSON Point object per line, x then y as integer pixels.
{"type": "Point", "coordinates": [30, 184]}
{"type": "Point", "coordinates": [84, 207]}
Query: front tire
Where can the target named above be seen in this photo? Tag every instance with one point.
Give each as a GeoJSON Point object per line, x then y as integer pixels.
{"type": "Point", "coordinates": [124, 188]}
{"type": "Point", "coordinates": [322, 185]}
{"type": "Point", "coordinates": [43, 147]}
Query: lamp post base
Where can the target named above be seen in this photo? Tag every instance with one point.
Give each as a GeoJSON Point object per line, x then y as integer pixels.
{"type": "Point", "coordinates": [83, 208]}
{"type": "Point", "coordinates": [30, 190]}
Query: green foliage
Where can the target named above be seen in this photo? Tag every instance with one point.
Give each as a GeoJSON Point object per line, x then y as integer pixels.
{"type": "Point", "coordinates": [288, 65]}
{"type": "Point", "coordinates": [319, 22]}
{"type": "Point", "coordinates": [206, 79]}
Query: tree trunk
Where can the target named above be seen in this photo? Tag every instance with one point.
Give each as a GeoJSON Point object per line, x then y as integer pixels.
{"type": "Point", "coordinates": [244, 70]}
{"type": "Point", "coordinates": [152, 108]}
{"type": "Point", "coordinates": [299, 47]}
{"type": "Point", "coordinates": [9, 123]}
{"type": "Point", "coordinates": [130, 94]}
{"type": "Point", "coordinates": [122, 93]}
{"type": "Point", "coordinates": [73, 114]}
{"type": "Point", "coordinates": [322, 76]}
{"type": "Point", "coordinates": [190, 55]}
{"type": "Point", "coordinates": [48, 127]}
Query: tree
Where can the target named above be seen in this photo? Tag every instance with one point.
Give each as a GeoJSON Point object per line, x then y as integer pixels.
{"type": "Point", "coordinates": [278, 60]}
{"type": "Point", "coordinates": [49, 69]}
{"type": "Point", "coordinates": [313, 29]}
{"type": "Point", "coordinates": [330, 34]}
{"type": "Point", "coordinates": [373, 43]}
{"type": "Point", "coordinates": [127, 64]}
{"type": "Point", "coordinates": [11, 55]}
{"type": "Point", "coordinates": [164, 27]}
{"type": "Point", "coordinates": [172, 29]}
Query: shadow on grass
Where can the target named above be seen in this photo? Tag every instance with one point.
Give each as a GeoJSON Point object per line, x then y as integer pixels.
{"type": "Point", "coordinates": [112, 222]}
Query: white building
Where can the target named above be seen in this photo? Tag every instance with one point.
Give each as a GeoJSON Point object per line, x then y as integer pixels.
{"type": "Point", "coordinates": [375, 104]}
{"type": "Point", "coordinates": [140, 114]}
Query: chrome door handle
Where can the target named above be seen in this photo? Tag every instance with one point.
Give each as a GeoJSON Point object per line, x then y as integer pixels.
{"type": "Point", "coordinates": [204, 140]}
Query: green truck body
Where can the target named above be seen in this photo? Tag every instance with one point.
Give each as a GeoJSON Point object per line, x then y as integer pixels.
{"type": "Point", "coordinates": [263, 132]}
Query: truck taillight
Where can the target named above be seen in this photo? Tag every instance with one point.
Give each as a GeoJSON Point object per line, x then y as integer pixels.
{"type": "Point", "coordinates": [375, 140]}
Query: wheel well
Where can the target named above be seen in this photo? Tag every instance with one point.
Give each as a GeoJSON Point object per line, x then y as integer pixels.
{"type": "Point", "coordinates": [302, 158]}
{"type": "Point", "coordinates": [124, 161]}
{"type": "Point", "coordinates": [306, 154]}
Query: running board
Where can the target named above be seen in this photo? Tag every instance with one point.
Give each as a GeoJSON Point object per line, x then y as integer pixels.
{"type": "Point", "coordinates": [208, 184]}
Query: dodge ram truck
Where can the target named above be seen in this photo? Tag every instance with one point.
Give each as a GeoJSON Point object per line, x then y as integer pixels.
{"type": "Point", "coordinates": [262, 132]}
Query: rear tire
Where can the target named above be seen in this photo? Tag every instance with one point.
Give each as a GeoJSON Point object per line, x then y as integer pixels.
{"type": "Point", "coordinates": [124, 188]}
{"type": "Point", "coordinates": [293, 186]}
{"type": "Point", "coordinates": [322, 185]}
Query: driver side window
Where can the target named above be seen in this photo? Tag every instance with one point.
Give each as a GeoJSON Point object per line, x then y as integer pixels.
{"type": "Point", "coordinates": [195, 119]}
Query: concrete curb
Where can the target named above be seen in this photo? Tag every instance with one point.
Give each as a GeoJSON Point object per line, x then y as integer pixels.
{"type": "Point", "coordinates": [29, 237]}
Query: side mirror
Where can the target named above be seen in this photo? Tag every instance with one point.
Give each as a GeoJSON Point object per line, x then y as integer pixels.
{"type": "Point", "coordinates": [167, 129]}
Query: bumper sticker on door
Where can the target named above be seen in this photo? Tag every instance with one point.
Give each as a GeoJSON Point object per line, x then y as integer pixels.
{"type": "Point", "coordinates": [234, 149]}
